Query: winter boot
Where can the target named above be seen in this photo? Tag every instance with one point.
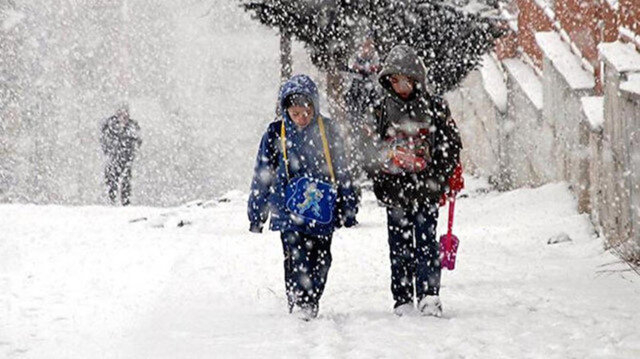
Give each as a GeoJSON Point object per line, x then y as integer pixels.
{"type": "Point", "coordinates": [306, 313]}
{"type": "Point", "coordinates": [112, 195]}
{"type": "Point", "coordinates": [430, 305]}
{"type": "Point", "coordinates": [290, 303]}
{"type": "Point", "coordinates": [290, 307]}
{"type": "Point", "coordinates": [403, 309]}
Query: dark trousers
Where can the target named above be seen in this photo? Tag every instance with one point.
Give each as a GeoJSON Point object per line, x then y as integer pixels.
{"type": "Point", "coordinates": [307, 260]}
{"type": "Point", "coordinates": [118, 180]}
{"type": "Point", "coordinates": [414, 251]}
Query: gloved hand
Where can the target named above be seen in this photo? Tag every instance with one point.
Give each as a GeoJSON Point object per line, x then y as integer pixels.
{"type": "Point", "coordinates": [349, 222]}
{"type": "Point", "coordinates": [455, 183]}
{"type": "Point", "coordinates": [255, 228]}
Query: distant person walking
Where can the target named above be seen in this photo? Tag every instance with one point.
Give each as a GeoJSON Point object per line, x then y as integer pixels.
{"type": "Point", "coordinates": [120, 138]}
{"type": "Point", "coordinates": [360, 100]}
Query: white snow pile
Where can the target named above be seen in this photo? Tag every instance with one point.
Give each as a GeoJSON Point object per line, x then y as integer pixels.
{"type": "Point", "coordinates": [494, 84]}
{"type": "Point", "coordinates": [623, 57]}
{"type": "Point", "coordinates": [11, 19]}
{"type": "Point", "coordinates": [593, 108]}
{"type": "Point", "coordinates": [526, 79]}
{"type": "Point", "coordinates": [94, 282]}
{"type": "Point", "coordinates": [564, 61]}
{"type": "Point", "coordinates": [632, 84]}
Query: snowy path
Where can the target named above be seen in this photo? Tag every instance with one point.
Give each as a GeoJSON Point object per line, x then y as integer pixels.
{"type": "Point", "coordinates": [83, 282]}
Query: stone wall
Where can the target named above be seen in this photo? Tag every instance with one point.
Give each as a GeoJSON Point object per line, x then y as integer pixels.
{"type": "Point", "coordinates": [527, 142]}
{"type": "Point", "coordinates": [621, 148]}
{"type": "Point", "coordinates": [482, 153]}
{"type": "Point", "coordinates": [554, 128]}
{"type": "Point", "coordinates": [565, 84]}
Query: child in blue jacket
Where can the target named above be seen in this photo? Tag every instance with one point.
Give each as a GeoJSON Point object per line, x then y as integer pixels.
{"type": "Point", "coordinates": [304, 144]}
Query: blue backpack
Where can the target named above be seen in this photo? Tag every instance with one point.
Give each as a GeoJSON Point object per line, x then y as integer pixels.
{"type": "Point", "coordinates": [311, 202]}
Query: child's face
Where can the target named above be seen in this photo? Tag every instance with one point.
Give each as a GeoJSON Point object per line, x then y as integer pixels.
{"type": "Point", "coordinates": [402, 85]}
{"type": "Point", "coordinates": [301, 115]}
{"type": "Point", "coordinates": [368, 48]}
{"type": "Point", "coordinates": [122, 115]}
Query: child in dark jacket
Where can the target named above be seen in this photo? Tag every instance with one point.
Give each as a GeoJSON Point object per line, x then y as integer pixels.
{"type": "Point", "coordinates": [301, 179]}
{"type": "Point", "coordinates": [418, 150]}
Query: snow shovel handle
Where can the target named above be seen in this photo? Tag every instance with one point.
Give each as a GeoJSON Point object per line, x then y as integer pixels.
{"type": "Point", "coordinates": [452, 205]}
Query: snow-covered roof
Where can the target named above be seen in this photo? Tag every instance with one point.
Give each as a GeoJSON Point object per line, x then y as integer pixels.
{"type": "Point", "coordinates": [632, 84]}
{"type": "Point", "coordinates": [494, 84]}
{"type": "Point", "coordinates": [623, 57]}
{"type": "Point", "coordinates": [568, 64]}
{"type": "Point", "coordinates": [526, 79]}
{"type": "Point", "coordinates": [593, 108]}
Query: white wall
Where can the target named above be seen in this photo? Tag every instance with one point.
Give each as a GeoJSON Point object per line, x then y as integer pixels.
{"type": "Point", "coordinates": [554, 141]}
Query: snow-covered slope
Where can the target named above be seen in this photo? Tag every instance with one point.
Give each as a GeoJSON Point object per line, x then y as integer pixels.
{"type": "Point", "coordinates": [192, 282]}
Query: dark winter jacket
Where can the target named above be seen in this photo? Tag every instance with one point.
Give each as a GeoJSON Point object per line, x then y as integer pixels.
{"type": "Point", "coordinates": [360, 98]}
{"type": "Point", "coordinates": [306, 158]}
{"type": "Point", "coordinates": [431, 116]}
{"type": "Point", "coordinates": [362, 93]}
{"type": "Point", "coordinates": [120, 140]}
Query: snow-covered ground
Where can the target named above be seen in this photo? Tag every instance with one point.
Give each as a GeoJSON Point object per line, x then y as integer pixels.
{"type": "Point", "coordinates": [192, 282]}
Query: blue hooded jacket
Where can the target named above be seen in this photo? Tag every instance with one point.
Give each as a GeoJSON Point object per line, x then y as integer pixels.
{"type": "Point", "coordinates": [306, 158]}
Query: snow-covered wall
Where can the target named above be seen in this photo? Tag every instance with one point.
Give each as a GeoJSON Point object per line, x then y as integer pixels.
{"type": "Point", "coordinates": [565, 83]}
{"type": "Point", "coordinates": [619, 192]}
{"type": "Point", "coordinates": [554, 129]}
{"type": "Point", "coordinates": [479, 121]}
{"type": "Point", "coordinates": [528, 141]}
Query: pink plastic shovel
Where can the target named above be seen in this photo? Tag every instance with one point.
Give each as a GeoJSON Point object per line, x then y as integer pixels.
{"type": "Point", "coordinates": [449, 242]}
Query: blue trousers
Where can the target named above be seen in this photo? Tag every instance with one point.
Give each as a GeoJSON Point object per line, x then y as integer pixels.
{"type": "Point", "coordinates": [307, 260]}
{"type": "Point", "coordinates": [414, 252]}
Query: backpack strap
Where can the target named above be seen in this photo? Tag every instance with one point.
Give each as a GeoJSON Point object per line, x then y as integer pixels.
{"type": "Point", "coordinates": [325, 145]}
{"type": "Point", "coordinates": [283, 140]}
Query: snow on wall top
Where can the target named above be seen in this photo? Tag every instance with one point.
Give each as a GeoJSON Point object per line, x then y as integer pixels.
{"type": "Point", "coordinates": [613, 4]}
{"type": "Point", "coordinates": [526, 79]}
{"type": "Point", "coordinates": [569, 66]}
{"type": "Point", "coordinates": [623, 57]}
{"type": "Point", "coordinates": [494, 84]}
{"type": "Point", "coordinates": [593, 108]}
{"type": "Point", "coordinates": [632, 85]}
{"type": "Point", "coordinates": [511, 19]}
